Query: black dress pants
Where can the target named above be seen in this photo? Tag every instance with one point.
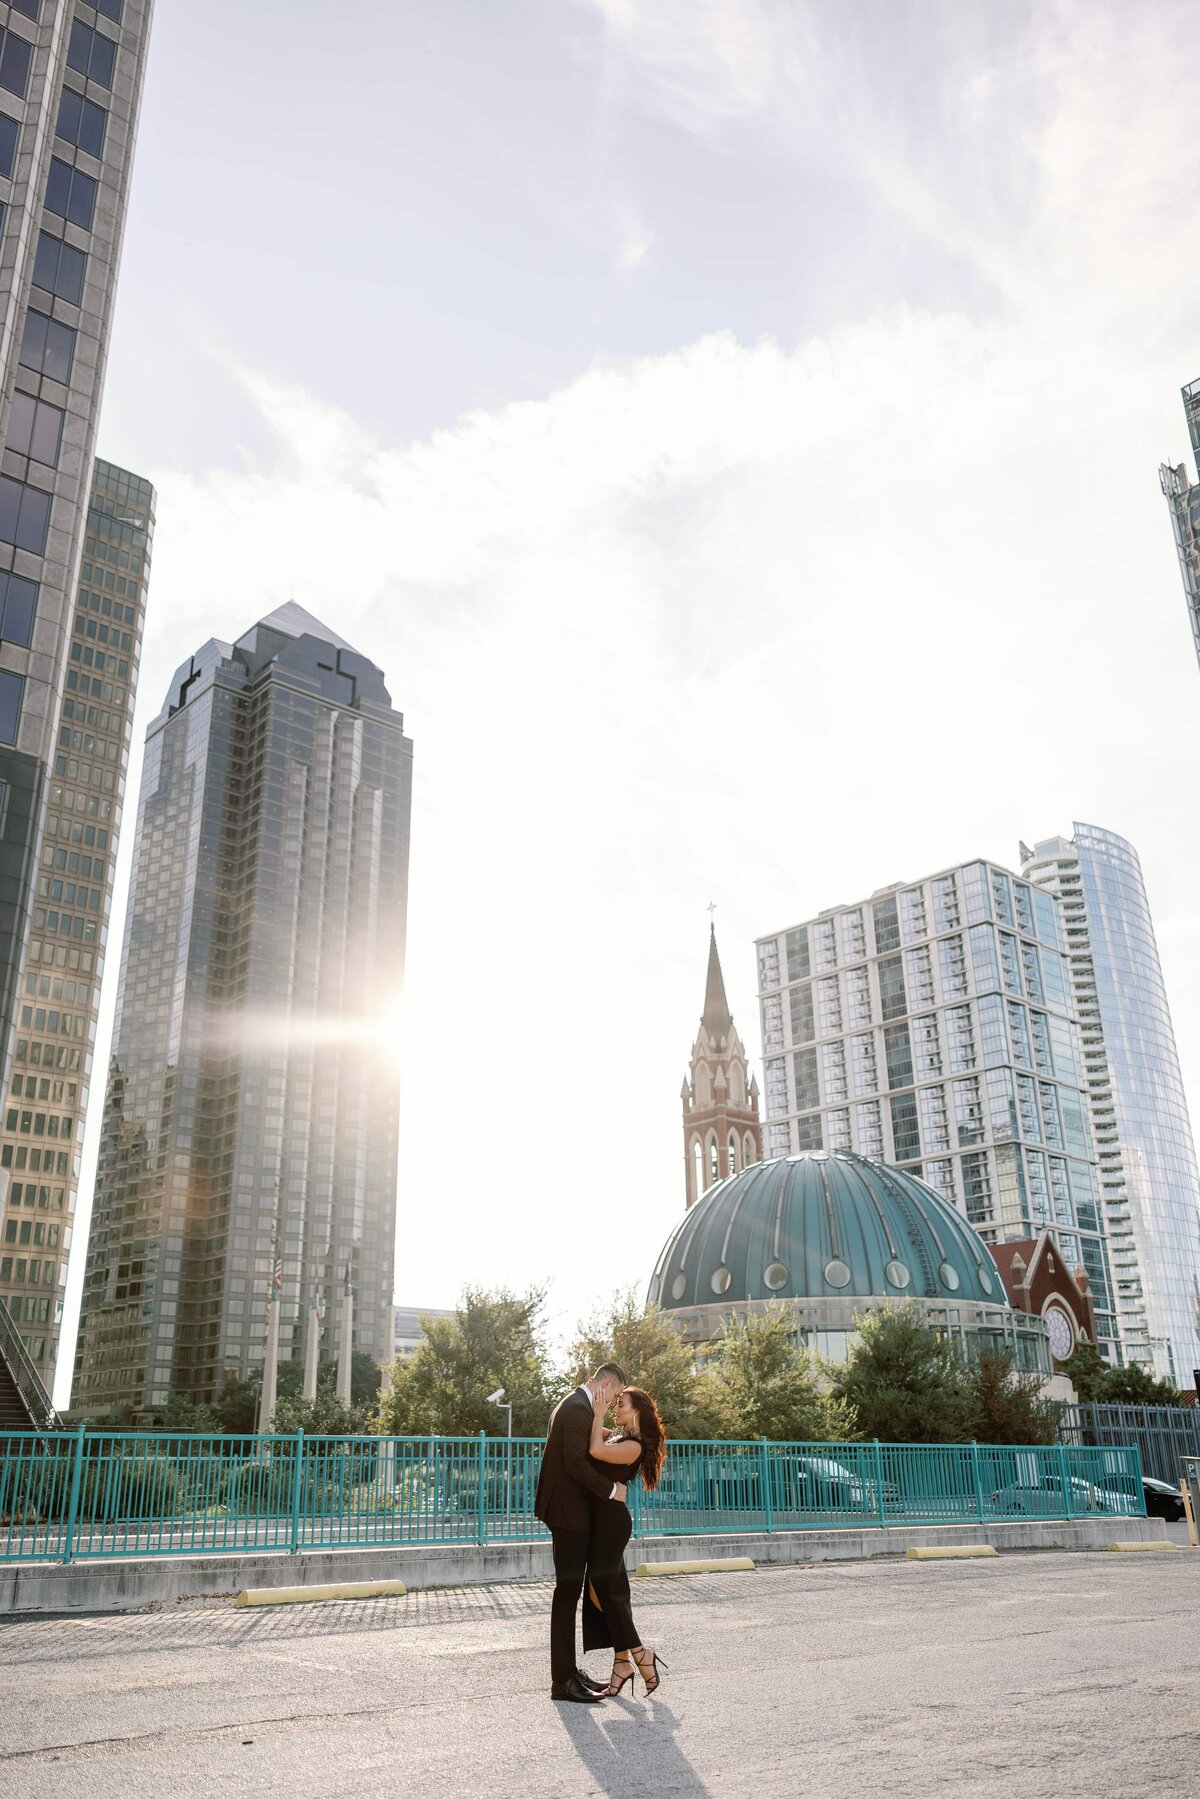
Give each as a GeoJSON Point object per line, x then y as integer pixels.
{"type": "Point", "coordinates": [570, 1570]}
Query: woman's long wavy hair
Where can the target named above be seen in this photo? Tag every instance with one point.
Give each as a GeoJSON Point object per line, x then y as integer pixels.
{"type": "Point", "coordinates": [650, 1430]}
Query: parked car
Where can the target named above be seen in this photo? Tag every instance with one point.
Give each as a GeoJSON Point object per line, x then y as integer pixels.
{"type": "Point", "coordinates": [824, 1485]}
{"type": "Point", "coordinates": [1162, 1500]}
{"type": "Point", "coordinates": [1045, 1497]}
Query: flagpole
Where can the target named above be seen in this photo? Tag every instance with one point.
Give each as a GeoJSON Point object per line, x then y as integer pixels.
{"type": "Point", "coordinates": [345, 1351]}
{"type": "Point", "coordinates": [312, 1344]}
{"type": "Point", "coordinates": [270, 1380]}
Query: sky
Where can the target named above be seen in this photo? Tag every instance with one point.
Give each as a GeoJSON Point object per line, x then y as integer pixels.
{"type": "Point", "coordinates": [733, 427]}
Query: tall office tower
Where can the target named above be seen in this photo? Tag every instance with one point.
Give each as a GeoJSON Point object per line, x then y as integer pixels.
{"type": "Point", "coordinates": [41, 1125]}
{"type": "Point", "coordinates": [932, 1026]}
{"type": "Point", "coordinates": [253, 1092]}
{"type": "Point", "coordinates": [70, 84]}
{"type": "Point", "coordinates": [1149, 1183]}
{"type": "Point", "coordinates": [1184, 501]}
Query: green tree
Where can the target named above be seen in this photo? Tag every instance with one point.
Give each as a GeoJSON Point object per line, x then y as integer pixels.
{"type": "Point", "coordinates": [1007, 1404]}
{"type": "Point", "coordinates": [183, 1413]}
{"type": "Point", "coordinates": [903, 1383]}
{"type": "Point", "coordinates": [1098, 1383]}
{"type": "Point", "coordinates": [758, 1382]}
{"type": "Point", "coordinates": [326, 1415]}
{"type": "Point", "coordinates": [236, 1404]}
{"type": "Point", "coordinates": [495, 1339]}
{"type": "Point", "coordinates": [653, 1355]}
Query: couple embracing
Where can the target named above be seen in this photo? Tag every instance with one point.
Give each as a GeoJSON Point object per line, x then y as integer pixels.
{"type": "Point", "coordinates": [581, 1493]}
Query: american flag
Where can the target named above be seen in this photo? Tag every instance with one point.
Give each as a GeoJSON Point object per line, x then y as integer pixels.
{"type": "Point", "coordinates": [277, 1275]}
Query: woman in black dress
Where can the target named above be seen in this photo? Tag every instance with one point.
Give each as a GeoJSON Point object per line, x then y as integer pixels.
{"type": "Point", "coordinates": [635, 1447]}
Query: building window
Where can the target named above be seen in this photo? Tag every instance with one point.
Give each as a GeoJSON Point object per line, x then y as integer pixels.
{"type": "Point", "coordinates": [798, 965]}
{"type": "Point", "coordinates": [35, 429]}
{"type": "Point", "coordinates": [892, 1001]}
{"type": "Point", "coordinates": [59, 268]}
{"type": "Point", "coordinates": [109, 9]}
{"type": "Point", "coordinates": [91, 54]}
{"type": "Point", "coordinates": [81, 122]}
{"type": "Point", "coordinates": [887, 926]}
{"type": "Point", "coordinates": [47, 347]}
{"type": "Point", "coordinates": [906, 1142]}
{"type": "Point", "coordinates": [18, 602]}
{"type": "Point", "coordinates": [30, 8]}
{"type": "Point", "coordinates": [24, 515]}
{"type": "Point", "coordinates": [12, 687]}
{"type": "Point", "coordinates": [804, 1072]}
{"type": "Point", "coordinates": [15, 56]}
{"type": "Point", "coordinates": [70, 193]}
{"type": "Point", "coordinates": [10, 131]}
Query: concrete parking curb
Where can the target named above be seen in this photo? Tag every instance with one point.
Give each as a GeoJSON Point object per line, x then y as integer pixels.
{"type": "Point", "coordinates": [344, 1589]}
{"type": "Point", "coordinates": [732, 1564]}
{"type": "Point", "coordinates": [961, 1552]}
{"type": "Point", "coordinates": [1124, 1546]}
{"type": "Point", "coordinates": [126, 1583]}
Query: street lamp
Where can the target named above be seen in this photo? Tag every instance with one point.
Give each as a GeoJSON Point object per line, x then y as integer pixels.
{"type": "Point", "coordinates": [497, 1398]}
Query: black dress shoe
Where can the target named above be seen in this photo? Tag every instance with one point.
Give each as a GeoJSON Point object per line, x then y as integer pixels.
{"type": "Point", "coordinates": [574, 1691]}
{"type": "Point", "coordinates": [593, 1686]}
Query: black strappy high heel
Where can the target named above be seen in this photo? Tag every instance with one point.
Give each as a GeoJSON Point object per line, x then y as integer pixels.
{"type": "Point", "coordinates": [626, 1680]}
{"type": "Point", "coordinates": [652, 1679]}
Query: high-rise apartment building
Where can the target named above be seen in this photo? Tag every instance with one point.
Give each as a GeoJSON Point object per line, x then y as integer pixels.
{"type": "Point", "coordinates": [58, 990]}
{"type": "Point", "coordinates": [70, 84]}
{"type": "Point", "coordinates": [1183, 498]}
{"type": "Point", "coordinates": [252, 1106]}
{"type": "Point", "coordinates": [1149, 1183]}
{"type": "Point", "coordinates": [932, 1026]}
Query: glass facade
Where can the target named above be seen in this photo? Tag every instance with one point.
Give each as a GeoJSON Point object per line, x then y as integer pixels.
{"type": "Point", "coordinates": [67, 128]}
{"type": "Point", "coordinates": [1183, 499]}
{"type": "Point", "coordinates": [1147, 1160]}
{"type": "Point", "coordinates": [253, 1092]}
{"type": "Point", "coordinates": [41, 1126]}
{"type": "Point", "coordinates": [943, 1025]}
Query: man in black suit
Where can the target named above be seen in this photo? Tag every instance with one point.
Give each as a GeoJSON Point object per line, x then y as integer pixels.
{"type": "Point", "coordinates": [567, 1490]}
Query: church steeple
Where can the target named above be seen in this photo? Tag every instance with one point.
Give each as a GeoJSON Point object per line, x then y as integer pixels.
{"type": "Point", "coordinates": [721, 1129]}
{"type": "Point", "coordinates": [717, 1019]}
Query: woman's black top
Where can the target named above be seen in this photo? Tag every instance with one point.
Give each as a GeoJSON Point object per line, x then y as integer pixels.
{"type": "Point", "coordinates": [621, 1471]}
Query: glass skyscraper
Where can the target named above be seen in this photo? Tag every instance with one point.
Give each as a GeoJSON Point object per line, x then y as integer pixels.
{"type": "Point", "coordinates": [1183, 498]}
{"type": "Point", "coordinates": [58, 990]}
{"type": "Point", "coordinates": [1148, 1177]}
{"type": "Point", "coordinates": [70, 84]}
{"type": "Point", "coordinates": [932, 1026]}
{"type": "Point", "coordinates": [252, 1106]}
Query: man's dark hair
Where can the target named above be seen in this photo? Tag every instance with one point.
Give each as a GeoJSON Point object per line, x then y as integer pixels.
{"type": "Point", "coordinates": [613, 1371]}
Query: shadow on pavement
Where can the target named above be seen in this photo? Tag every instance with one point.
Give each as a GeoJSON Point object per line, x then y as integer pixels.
{"type": "Point", "coordinates": [628, 1747]}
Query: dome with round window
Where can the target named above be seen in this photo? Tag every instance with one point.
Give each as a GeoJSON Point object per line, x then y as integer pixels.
{"type": "Point", "coordinates": [834, 1233]}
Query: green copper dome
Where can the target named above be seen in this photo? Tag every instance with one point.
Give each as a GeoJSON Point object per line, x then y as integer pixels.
{"type": "Point", "coordinates": [826, 1225]}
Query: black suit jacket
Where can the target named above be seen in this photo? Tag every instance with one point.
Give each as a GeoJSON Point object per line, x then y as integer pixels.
{"type": "Point", "coordinates": [568, 1485]}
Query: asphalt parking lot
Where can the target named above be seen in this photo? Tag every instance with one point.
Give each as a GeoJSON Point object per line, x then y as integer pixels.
{"type": "Point", "coordinates": [1039, 1674]}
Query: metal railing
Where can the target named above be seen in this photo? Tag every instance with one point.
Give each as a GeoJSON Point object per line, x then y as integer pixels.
{"type": "Point", "coordinates": [67, 1495]}
{"type": "Point", "coordinates": [25, 1376]}
{"type": "Point", "coordinates": [1164, 1434]}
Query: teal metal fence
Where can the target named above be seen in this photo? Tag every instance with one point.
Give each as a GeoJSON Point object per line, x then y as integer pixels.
{"type": "Point", "coordinates": [67, 1495]}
